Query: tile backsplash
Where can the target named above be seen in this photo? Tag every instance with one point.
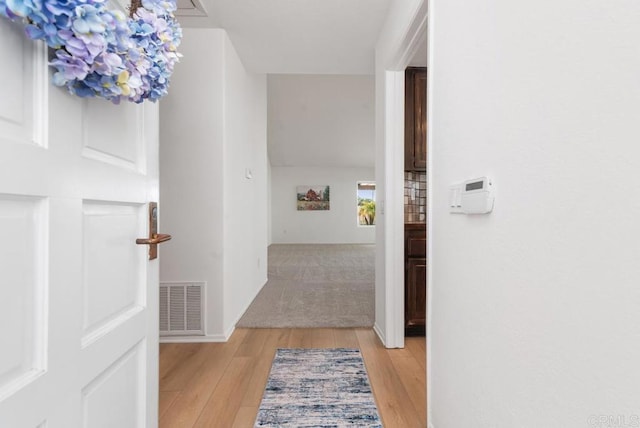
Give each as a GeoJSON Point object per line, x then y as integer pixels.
{"type": "Point", "coordinates": [415, 208]}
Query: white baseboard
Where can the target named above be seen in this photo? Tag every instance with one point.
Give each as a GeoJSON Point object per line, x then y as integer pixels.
{"type": "Point", "coordinates": [379, 333]}
{"type": "Point", "coordinates": [210, 338]}
{"type": "Point", "coordinates": [217, 338]}
{"type": "Point", "coordinates": [229, 332]}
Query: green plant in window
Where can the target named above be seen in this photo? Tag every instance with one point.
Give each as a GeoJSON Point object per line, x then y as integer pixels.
{"type": "Point", "coordinates": [367, 211]}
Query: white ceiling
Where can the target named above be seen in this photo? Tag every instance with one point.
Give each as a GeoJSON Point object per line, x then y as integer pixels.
{"type": "Point", "coordinates": [296, 36]}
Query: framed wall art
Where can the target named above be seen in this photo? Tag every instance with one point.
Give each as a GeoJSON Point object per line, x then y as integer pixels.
{"type": "Point", "coordinates": [313, 198]}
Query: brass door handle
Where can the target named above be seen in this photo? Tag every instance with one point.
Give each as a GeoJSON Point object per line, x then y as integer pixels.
{"type": "Point", "coordinates": [154, 238]}
{"type": "Point", "coordinates": [157, 239]}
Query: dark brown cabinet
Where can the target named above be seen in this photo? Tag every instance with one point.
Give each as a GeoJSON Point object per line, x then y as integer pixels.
{"type": "Point", "coordinates": [415, 279]}
{"type": "Point", "coordinates": [415, 159]}
{"type": "Point", "coordinates": [415, 118]}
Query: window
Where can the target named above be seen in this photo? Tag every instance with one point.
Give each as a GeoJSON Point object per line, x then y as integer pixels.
{"type": "Point", "coordinates": [366, 203]}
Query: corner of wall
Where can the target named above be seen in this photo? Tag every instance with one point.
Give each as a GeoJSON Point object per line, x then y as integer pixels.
{"type": "Point", "coordinates": [379, 333]}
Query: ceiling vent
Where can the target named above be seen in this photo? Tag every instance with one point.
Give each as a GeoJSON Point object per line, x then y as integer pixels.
{"type": "Point", "coordinates": [190, 8]}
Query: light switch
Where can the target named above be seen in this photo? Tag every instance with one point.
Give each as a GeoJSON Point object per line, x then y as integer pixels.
{"type": "Point", "coordinates": [455, 198]}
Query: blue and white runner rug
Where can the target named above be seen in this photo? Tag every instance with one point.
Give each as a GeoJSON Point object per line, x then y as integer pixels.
{"type": "Point", "coordinates": [318, 388]}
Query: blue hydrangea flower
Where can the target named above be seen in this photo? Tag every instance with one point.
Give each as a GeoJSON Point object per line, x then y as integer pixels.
{"type": "Point", "coordinates": [102, 53]}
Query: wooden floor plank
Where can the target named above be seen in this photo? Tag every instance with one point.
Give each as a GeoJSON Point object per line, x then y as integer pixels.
{"type": "Point", "coordinates": [391, 397]}
{"type": "Point", "coordinates": [413, 379]}
{"type": "Point", "coordinates": [322, 338]}
{"type": "Point", "coordinates": [180, 361]}
{"type": "Point", "coordinates": [186, 409]}
{"type": "Point", "coordinates": [224, 403]}
{"type": "Point", "coordinates": [284, 337]}
{"type": "Point", "coordinates": [252, 343]}
{"type": "Point", "coordinates": [300, 338]}
{"type": "Point", "coordinates": [404, 352]}
{"type": "Point", "coordinates": [172, 354]}
{"type": "Point", "coordinates": [418, 348]}
{"type": "Point", "coordinates": [246, 417]}
{"type": "Point", "coordinates": [166, 400]}
{"type": "Point", "coordinates": [345, 338]}
{"type": "Point", "coordinates": [275, 338]}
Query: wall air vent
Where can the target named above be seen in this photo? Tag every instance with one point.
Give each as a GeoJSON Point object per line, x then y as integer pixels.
{"type": "Point", "coordinates": [181, 310]}
{"type": "Point", "coordinates": [190, 8]}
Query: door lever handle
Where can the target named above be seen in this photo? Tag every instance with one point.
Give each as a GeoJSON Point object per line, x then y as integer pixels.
{"type": "Point", "coordinates": [157, 239]}
{"type": "Point", "coordinates": [154, 238]}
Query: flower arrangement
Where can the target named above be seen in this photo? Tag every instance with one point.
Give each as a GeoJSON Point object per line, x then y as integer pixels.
{"type": "Point", "coordinates": [101, 52]}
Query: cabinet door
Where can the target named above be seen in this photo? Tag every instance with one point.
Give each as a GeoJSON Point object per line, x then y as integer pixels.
{"type": "Point", "coordinates": [415, 296]}
{"type": "Point", "coordinates": [416, 119]}
{"type": "Point", "coordinates": [420, 124]}
{"type": "Point", "coordinates": [416, 243]}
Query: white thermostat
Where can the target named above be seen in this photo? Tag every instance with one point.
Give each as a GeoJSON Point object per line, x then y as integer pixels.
{"type": "Point", "coordinates": [471, 197]}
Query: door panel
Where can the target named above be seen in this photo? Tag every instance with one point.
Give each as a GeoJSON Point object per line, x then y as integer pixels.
{"type": "Point", "coordinates": [22, 90]}
{"type": "Point", "coordinates": [123, 379]}
{"type": "Point", "coordinates": [78, 297]}
{"type": "Point", "coordinates": [111, 296]}
{"type": "Point", "coordinates": [416, 296]}
{"type": "Point", "coordinates": [121, 145]}
{"type": "Point", "coordinates": [22, 228]}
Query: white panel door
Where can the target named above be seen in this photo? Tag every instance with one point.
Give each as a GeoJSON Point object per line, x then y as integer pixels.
{"type": "Point", "coordinates": [78, 297]}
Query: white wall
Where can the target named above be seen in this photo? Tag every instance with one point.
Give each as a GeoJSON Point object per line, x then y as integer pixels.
{"type": "Point", "coordinates": [245, 199]}
{"type": "Point", "coordinates": [213, 129]}
{"type": "Point", "coordinates": [191, 169]}
{"type": "Point", "coordinates": [540, 326]}
{"type": "Point", "coordinates": [338, 225]}
{"type": "Point", "coordinates": [321, 120]}
{"type": "Point", "coordinates": [269, 204]}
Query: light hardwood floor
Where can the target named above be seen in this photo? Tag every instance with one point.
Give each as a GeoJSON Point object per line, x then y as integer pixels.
{"type": "Point", "coordinates": [221, 384]}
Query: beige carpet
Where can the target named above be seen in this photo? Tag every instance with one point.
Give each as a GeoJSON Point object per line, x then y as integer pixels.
{"type": "Point", "coordinates": [316, 285]}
